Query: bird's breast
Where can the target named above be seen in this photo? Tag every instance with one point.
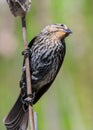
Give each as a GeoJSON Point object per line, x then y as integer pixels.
{"type": "Point", "coordinates": [46, 59]}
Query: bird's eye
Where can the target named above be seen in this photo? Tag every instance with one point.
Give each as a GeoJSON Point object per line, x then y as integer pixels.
{"type": "Point", "coordinates": [62, 25]}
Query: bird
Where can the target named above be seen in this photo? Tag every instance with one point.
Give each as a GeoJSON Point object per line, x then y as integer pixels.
{"type": "Point", "coordinates": [46, 54]}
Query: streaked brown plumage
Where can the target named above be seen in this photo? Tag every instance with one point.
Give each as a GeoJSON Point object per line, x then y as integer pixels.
{"type": "Point", "coordinates": [47, 51]}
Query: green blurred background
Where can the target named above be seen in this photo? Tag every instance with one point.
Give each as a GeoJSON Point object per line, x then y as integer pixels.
{"type": "Point", "coordinates": [68, 105]}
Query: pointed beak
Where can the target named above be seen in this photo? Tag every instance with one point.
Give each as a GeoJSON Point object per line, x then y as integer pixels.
{"type": "Point", "coordinates": [68, 31]}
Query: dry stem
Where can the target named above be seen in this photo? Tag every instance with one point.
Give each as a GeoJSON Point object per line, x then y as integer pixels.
{"type": "Point", "coordinates": [28, 75]}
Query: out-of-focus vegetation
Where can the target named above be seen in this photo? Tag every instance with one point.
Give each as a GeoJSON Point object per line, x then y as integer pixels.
{"type": "Point", "coordinates": [68, 105]}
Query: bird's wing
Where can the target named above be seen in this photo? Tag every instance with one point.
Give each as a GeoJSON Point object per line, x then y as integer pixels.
{"type": "Point", "coordinates": [45, 87]}
{"type": "Point", "coordinates": [41, 60]}
{"type": "Point", "coordinates": [42, 91]}
{"type": "Point", "coordinates": [41, 71]}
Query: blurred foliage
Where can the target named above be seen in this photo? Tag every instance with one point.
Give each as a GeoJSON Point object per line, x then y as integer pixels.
{"type": "Point", "coordinates": [68, 105]}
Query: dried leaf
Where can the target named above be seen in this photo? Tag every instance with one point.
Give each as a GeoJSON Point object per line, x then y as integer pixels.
{"type": "Point", "coordinates": [19, 7]}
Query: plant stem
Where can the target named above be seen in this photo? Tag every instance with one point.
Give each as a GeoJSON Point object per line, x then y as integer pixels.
{"type": "Point", "coordinates": [28, 75]}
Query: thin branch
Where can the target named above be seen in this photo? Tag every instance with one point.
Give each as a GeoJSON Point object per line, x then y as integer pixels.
{"type": "Point", "coordinates": [28, 75]}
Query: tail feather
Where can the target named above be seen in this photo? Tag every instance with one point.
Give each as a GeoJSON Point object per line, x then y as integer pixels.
{"type": "Point", "coordinates": [17, 118]}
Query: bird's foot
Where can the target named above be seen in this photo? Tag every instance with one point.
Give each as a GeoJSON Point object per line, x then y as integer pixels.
{"type": "Point", "coordinates": [30, 99]}
{"type": "Point", "coordinates": [26, 52]}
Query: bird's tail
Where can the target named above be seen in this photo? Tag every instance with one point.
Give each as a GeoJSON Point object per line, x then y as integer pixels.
{"type": "Point", "coordinates": [17, 118]}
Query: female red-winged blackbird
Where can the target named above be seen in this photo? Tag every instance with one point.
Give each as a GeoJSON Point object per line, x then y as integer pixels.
{"type": "Point", "coordinates": [46, 55]}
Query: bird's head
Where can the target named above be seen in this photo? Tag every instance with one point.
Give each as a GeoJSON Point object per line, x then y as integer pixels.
{"type": "Point", "coordinates": [59, 31]}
